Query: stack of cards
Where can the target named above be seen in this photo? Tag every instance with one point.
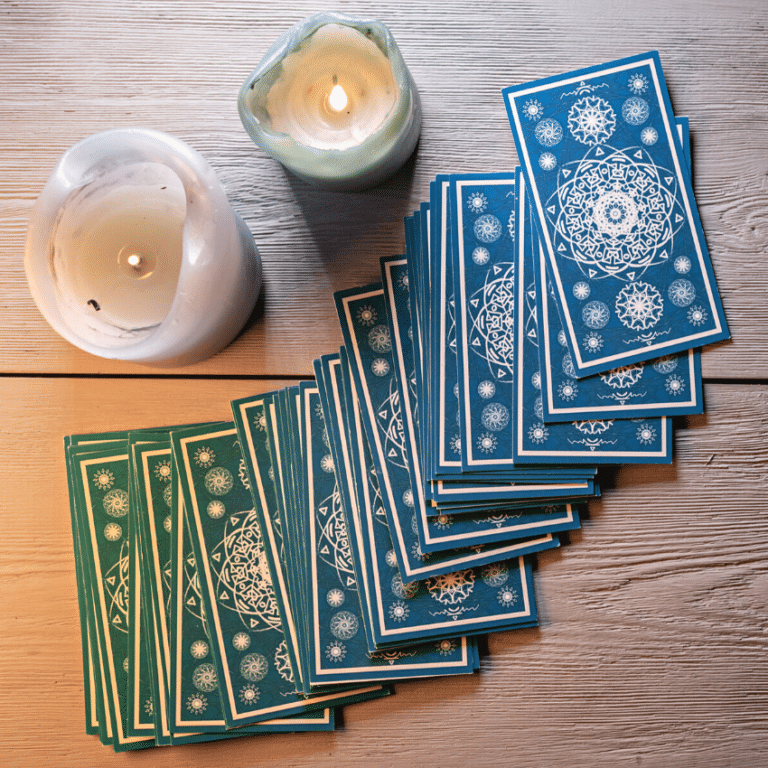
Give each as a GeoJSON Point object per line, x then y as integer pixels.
{"type": "Point", "coordinates": [250, 576]}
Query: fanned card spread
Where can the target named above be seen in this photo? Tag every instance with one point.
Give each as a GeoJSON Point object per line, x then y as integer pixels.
{"type": "Point", "coordinates": [354, 531]}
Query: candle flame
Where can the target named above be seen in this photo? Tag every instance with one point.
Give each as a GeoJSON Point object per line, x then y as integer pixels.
{"type": "Point", "coordinates": [338, 98]}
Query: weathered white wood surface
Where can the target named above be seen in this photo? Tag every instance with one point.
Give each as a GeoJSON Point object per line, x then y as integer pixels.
{"type": "Point", "coordinates": [70, 68]}
{"type": "Point", "coordinates": [651, 650]}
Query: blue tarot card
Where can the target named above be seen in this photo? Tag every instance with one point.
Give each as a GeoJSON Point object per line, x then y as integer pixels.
{"type": "Point", "coordinates": [483, 241]}
{"type": "Point", "coordinates": [665, 386]}
{"type": "Point", "coordinates": [612, 197]}
{"type": "Point", "coordinates": [606, 441]}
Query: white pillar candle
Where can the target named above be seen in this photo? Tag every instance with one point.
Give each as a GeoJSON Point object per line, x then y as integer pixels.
{"type": "Point", "coordinates": [334, 102]}
{"type": "Point", "coordinates": [133, 251]}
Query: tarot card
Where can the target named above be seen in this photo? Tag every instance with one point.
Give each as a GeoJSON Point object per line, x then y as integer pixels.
{"type": "Point", "coordinates": [608, 441]}
{"type": "Point", "coordinates": [666, 386]}
{"type": "Point", "coordinates": [102, 485]}
{"type": "Point", "coordinates": [612, 197]}
{"type": "Point", "coordinates": [483, 240]}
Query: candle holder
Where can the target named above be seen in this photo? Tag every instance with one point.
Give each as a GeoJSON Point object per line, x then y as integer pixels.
{"type": "Point", "coordinates": [133, 251]}
{"type": "Point", "coordinates": [333, 101]}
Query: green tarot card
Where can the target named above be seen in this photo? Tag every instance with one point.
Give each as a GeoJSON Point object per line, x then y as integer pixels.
{"type": "Point", "coordinates": [102, 482]}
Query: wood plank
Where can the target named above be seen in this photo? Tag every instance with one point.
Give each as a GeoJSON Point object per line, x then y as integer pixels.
{"type": "Point", "coordinates": [71, 69]}
{"type": "Point", "coordinates": [651, 648]}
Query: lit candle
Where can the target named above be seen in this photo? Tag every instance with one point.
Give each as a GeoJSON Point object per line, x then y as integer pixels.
{"type": "Point", "coordinates": [334, 102]}
{"type": "Point", "coordinates": [133, 251]}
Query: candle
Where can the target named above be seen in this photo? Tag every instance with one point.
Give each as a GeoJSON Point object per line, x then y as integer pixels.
{"type": "Point", "coordinates": [133, 251]}
{"type": "Point", "coordinates": [334, 102]}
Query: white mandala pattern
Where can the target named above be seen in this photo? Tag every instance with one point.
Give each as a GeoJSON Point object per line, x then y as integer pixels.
{"type": "Point", "coordinates": [626, 376]}
{"type": "Point", "coordinates": [335, 598]}
{"type": "Point", "coordinates": [615, 212]}
{"type": "Point", "coordinates": [548, 132]}
{"type": "Point", "coordinates": [591, 120]}
{"type": "Point", "coordinates": [487, 443]}
{"type": "Point", "coordinates": [682, 265]}
{"type": "Point", "coordinates": [595, 314]}
{"type": "Point", "coordinates": [477, 202]}
{"type": "Point", "coordinates": [249, 694]}
{"type": "Point", "coordinates": [568, 390]}
{"type": "Point", "coordinates": [241, 641]}
{"type": "Point", "coordinates": [649, 136]}
{"type": "Point", "coordinates": [336, 651]}
{"type": "Point", "coordinates": [199, 649]}
{"type": "Point", "coordinates": [455, 444]}
{"type": "Point", "coordinates": [481, 256]}
{"type": "Point", "coordinates": [254, 667]}
{"type": "Point", "coordinates": [103, 479]}
{"type": "Point", "coordinates": [538, 433]}
{"type": "Point", "coordinates": [216, 509]}
{"type": "Point", "coordinates": [398, 611]}
{"type": "Point", "coordinates": [487, 228]}
{"type": "Point", "coordinates": [168, 495]}
{"type": "Point", "coordinates": [639, 306]}
{"type": "Point", "coordinates": [532, 109]}
{"type": "Point", "coordinates": [635, 110]}
{"type": "Point", "coordinates": [112, 531]}
{"type": "Point", "coordinates": [638, 83]}
{"type": "Point", "coordinates": [547, 161]}
{"type": "Point", "coordinates": [697, 316]}
{"type": "Point", "coordinates": [390, 558]}
{"type": "Point", "coordinates": [115, 503]}
{"type": "Point", "coordinates": [674, 384]}
{"type": "Point", "coordinates": [163, 470]}
{"type": "Point", "coordinates": [646, 434]}
{"type": "Point", "coordinates": [561, 339]}
{"type": "Point", "coordinates": [538, 408]}
{"type": "Point", "coordinates": [380, 367]}
{"type": "Point", "coordinates": [486, 389]}
{"type": "Point", "coordinates": [491, 310]}
{"type": "Point", "coordinates": [366, 315]}
{"type": "Point", "coordinates": [243, 583]}
{"type": "Point", "coordinates": [204, 678]}
{"type": "Point", "coordinates": [445, 647]}
{"type": "Point", "coordinates": [495, 417]}
{"type": "Point", "coordinates": [507, 597]}
{"type": "Point", "coordinates": [581, 290]}
{"type": "Point", "coordinates": [681, 292]}
{"type": "Point", "coordinates": [204, 457]}
{"type": "Point", "coordinates": [536, 380]}
{"type": "Point", "coordinates": [326, 463]}
{"type": "Point", "coordinates": [592, 342]}
{"type": "Point", "coordinates": [197, 703]}
{"type": "Point", "coordinates": [219, 481]}
{"type": "Point", "coordinates": [379, 339]}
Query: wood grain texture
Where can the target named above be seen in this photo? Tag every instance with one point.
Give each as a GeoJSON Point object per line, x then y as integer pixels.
{"type": "Point", "coordinates": [73, 68]}
{"type": "Point", "coordinates": [650, 651]}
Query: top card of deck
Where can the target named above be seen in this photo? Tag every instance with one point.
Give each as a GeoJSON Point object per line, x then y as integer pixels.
{"type": "Point", "coordinates": [613, 200]}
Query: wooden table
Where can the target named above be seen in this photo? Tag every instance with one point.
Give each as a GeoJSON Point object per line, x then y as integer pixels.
{"type": "Point", "coordinates": [653, 643]}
